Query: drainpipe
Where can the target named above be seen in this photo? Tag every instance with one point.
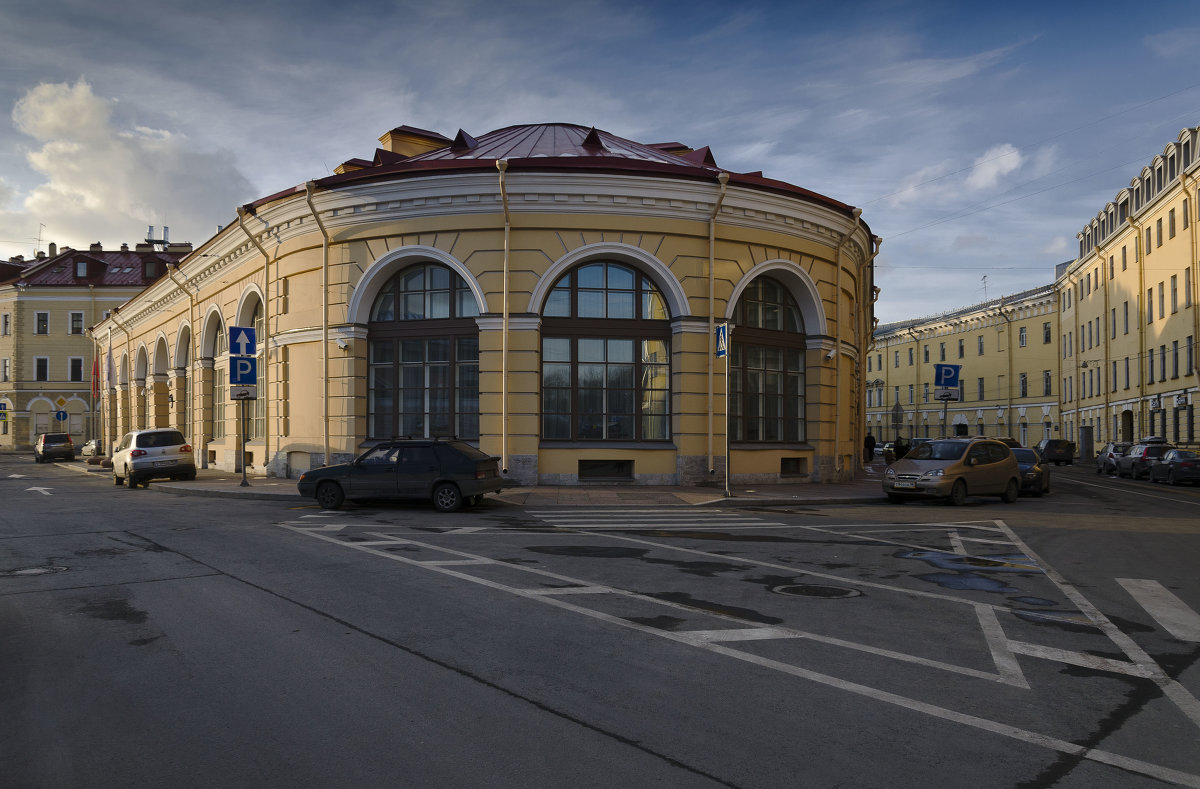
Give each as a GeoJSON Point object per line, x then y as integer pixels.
{"type": "Point", "coordinates": [1107, 366]}
{"type": "Point", "coordinates": [310, 187]}
{"type": "Point", "coordinates": [1139, 260]}
{"type": "Point", "coordinates": [194, 355]}
{"type": "Point", "coordinates": [1194, 265]}
{"type": "Point", "coordinates": [502, 166]}
{"type": "Point", "coordinates": [125, 331]}
{"type": "Point", "coordinates": [837, 350]}
{"type": "Point", "coordinates": [1009, 348]}
{"type": "Point", "coordinates": [723, 180]}
{"type": "Point", "coordinates": [266, 354]}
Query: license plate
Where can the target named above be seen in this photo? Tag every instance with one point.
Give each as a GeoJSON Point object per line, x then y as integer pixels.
{"type": "Point", "coordinates": [164, 463]}
{"type": "Point", "coordinates": [904, 483]}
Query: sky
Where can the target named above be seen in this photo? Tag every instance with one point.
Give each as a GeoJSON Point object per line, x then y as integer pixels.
{"type": "Point", "coordinates": [978, 138]}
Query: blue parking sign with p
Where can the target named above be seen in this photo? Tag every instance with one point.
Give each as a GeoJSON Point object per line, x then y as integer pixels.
{"type": "Point", "coordinates": [243, 371]}
{"type": "Point", "coordinates": [946, 375]}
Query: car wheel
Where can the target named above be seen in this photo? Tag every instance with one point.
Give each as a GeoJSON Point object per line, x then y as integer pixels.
{"type": "Point", "coordinates": [330, 496]}
{"type": "Point", "coordinates": [1011, 492]}
{"type": "Point", "coordinates": [190, 476]}
{"type": "Point", "coordinates": [447, 497]}
{"type": "Point", "coordinates": [117, 480]}
{"type": "Point", "coordinates": [1171, 478]}
{"type": "Point", "coordinates": [958, 493]}
{"type": "Point", "coordinates": [896, 498]}
{"type": "Point", "coordinates": [130, 482]}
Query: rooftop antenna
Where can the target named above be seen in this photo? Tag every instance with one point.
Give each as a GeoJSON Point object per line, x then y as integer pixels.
{"type": "Point", "coordinates": [38, 248]}
{"type": "Point", "coordinates": [984, 278]}
{"type": "Point", "coordinates": [158, 242]}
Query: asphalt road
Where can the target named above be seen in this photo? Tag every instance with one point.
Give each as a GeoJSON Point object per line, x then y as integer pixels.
{"type": "Point", "coordinates": [157, 640]}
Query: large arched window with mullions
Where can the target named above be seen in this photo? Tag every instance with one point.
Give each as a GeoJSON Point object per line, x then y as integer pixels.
{"type": "Point", "coordinates": [606, 345]}
{"type": "Point", "coordinates": [423, 356]}
{"type": "Point", "coordinates": [766, 384]}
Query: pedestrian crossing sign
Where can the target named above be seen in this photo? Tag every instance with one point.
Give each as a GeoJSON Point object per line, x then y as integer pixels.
{"type": "Point", "coordinates": [722, 340]}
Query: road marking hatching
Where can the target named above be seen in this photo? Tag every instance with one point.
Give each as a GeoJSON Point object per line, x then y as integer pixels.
{"type": "Point", "coordinates": [1168, 610]}
{"type": "Point", "coordinates": [723, 642]}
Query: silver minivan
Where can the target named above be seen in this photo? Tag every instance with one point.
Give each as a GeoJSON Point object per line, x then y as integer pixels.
{"type": "Point", "coordinates": [144, 455]}
{"type": "Point", "coordinates": [954, 468]}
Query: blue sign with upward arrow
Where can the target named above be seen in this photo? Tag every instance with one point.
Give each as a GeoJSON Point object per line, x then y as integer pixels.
{"type": "Point", "coordinates": [242, 341]}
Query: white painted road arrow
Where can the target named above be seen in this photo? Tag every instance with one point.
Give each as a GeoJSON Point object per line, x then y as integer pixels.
{"type": "Point", "coordinates": [16, 476]}
{"type": "Point", "coordinates": [43, 491]}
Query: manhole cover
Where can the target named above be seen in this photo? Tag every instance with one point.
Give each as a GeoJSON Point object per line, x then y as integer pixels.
{"type": "Point", "coordinates": [816, 590]}
{"type": "Point", "coordinates": [35, 571]}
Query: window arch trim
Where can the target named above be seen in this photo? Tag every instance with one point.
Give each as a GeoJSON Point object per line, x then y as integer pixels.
{"type": "Point", "coordinates": [798, 283]}
{"type": "Point", "coordinates": [389, 265]}
{"type": "Point", "coordinates": [651, 267]}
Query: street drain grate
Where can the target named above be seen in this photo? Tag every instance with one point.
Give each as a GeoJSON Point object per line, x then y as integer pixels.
{"type": "Point", "coordinates": [816, 590]}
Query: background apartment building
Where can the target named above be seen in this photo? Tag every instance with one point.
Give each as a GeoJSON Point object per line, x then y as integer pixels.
{"type": "Point", "coordinates": [47, 360]}
{"type": "Point", "coordinates": [1007, 349]}
{"type": "Point", "coordinates": [1129, 305]}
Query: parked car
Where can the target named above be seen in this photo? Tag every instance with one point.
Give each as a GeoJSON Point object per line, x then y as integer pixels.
{"type": "Point", "coordinates": [53, 446]}
{"type": "Point", "coordinates": [144, 455]}
{"type": "Point", "coordinates": [1008, 440]}
{"type": "Point", "coordinates": [1175, 466]}
{"type": "Point", "coordinates": [1106, 461]}
{"type": "Point", "coordinates": [954, 468]}
{"type": "Point", "coordinates": [92, 448]}
{"type": "Point", "coordinates": [1035, 472]}
{"type": "Point", "coordinates": [451, 473]}
{"type": "Point", "coordinates": [1136, 464]}
{"type": "Point", "coordinates": [1056, 451]}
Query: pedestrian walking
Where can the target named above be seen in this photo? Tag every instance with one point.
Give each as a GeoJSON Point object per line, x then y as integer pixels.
{"type": "Point", "coordinates": [869, 448]}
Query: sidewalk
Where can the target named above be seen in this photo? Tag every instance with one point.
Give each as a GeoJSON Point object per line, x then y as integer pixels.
{"type": "Point", "coordinates": [865, 488]}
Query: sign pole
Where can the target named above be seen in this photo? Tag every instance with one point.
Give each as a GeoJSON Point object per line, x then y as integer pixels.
{"type": "Point", "coordinates": [242, 426]}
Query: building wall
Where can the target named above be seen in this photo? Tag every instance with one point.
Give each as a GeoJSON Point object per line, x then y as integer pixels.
{"type": "Point", "coordinates": [986, 341]}
{"type": "Point", "coordinates": [1134, 371]}
{"type": "Point", "coordinates": [657, 225]}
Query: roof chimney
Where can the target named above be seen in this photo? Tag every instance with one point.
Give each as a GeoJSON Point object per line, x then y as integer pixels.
{"type": "Point", "coordinates": [124, 247]}
{"type": "Point", "coordinates": [96, 247]}
{"type": "Point", "coordinates": [53, 249]}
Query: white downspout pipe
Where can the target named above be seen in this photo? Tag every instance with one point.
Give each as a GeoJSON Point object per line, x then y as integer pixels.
{"type": "Point", "coordinates": [193, 357]}
{"type": "Point", "coordinates": [502, 166]}
{"type": "Point", "coordinates": [309, 188]}
{"type": "Point", "coordinates": [723, 180]}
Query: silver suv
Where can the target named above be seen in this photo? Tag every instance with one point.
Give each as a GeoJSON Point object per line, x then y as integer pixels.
{"type": "Point", "coordinates": [144, 455]}
{"type": "Point", "coordinates": [954, 468]}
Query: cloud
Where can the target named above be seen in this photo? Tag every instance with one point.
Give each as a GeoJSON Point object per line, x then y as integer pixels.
{"type": "Point", "coordinates": [995, 163]}
{"type": "Point", "coordinates": [102, 180]}
{"type": "Point", "coordinates": [1059, 245]}
{"type": "Point", "coordinates": [1173, 43]}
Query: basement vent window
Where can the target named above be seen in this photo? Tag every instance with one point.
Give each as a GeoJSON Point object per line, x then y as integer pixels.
{"type": "Point", "coordinates": [793, 467]}
{"type": "Point", "coordinates": [597, 470]}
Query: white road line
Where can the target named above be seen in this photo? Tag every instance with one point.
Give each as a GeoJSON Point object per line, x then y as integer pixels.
{"type": "Point", "coordinates": [1079, 659]}
{"type": "Point", "coordinates": [956, 542]}
{"type": "Point", "coordinates": [942, 713]}
{"type": "Point", "coordinates": [1137, 493]}
{"type": "Point", "coordinates": [1002, 655]}
{"type": "Point", "coordinates": [736, 634]}
{"type": "Point", "coordinates": [1168, 610]}
{"type": "Point", "coordinates": [1177, 693]}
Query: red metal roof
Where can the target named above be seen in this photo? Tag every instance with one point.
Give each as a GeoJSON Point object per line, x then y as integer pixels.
{"type": "Point", "coordinates": [559, 146]}
{"type": "Point", "coordinates": [116, 268]}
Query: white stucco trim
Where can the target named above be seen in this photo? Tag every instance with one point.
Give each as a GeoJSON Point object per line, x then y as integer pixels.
{"type": "Point", "coordinates": [645, 262]}
{"type": "Point", "coordinates": [384, 267]}
{"type": "Point", "coordinates": [799, 284]}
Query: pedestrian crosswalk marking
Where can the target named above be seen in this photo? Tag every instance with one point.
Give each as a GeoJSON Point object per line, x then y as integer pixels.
{"type": "Point", "coordinates": [658, 518]}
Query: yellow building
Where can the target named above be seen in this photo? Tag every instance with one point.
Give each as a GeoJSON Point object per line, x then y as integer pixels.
{"type": "Point", "coordinates": [549, 291]}
{"type": "Point", "coordinates": [46, 359]}
{"type": "Point", "coordinates": [1130, 320]}
{"type": "Point", "coordinates": [1006, 350]}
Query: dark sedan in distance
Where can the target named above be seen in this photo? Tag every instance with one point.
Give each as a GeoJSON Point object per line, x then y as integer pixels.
{"type": "Point", "coordinates": [450, 473]}
{"type": "Point", "coordinates": [1035, 472]}
{"type": "Point", "coordinates": [1175, 466]}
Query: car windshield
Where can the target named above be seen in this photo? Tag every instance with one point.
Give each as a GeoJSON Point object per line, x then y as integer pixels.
{"type": "Point", "coordinates": [1186, 454]}
{"type": "Point", "coordinates": [1025, 455]}
{"type": "Point", "coordinates": [938, 450]}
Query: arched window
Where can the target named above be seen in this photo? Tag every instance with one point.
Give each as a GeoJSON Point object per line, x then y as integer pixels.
{"type": "Point", "coordinates": [218, 390]}
{"type": "Point", "coordinates": [257, 428]}
{"type": "Point", "coordinates": [766, 385]}
{"type": "Point", "coordinates": [606, 348]}
{"type": "Point", "coordinates": [423, 355]}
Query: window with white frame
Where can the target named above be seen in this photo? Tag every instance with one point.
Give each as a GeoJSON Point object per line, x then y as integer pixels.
{"type": "Point", "coordinates": [5, 369]}
{"type": "Point", "coordinates": [6, 323]}
{"type": "Point", "coordinates": [41, 368]}
{"type": "Point", "coordinates": [41, 323]}
{"type": "Point", "coordinates": [76, 323]}
{"type": "Point", "coordinates": [1021, 336]}
{"type": "Point", "coordinates": [1023, 385]}
{"type": "Point", "coordinates": [75, 368]}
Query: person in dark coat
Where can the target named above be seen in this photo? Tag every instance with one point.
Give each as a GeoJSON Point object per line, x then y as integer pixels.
{"type": "Point", "coordinates": [869, 448]}
{"type": "Point", "coordinates": [900, 447]}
